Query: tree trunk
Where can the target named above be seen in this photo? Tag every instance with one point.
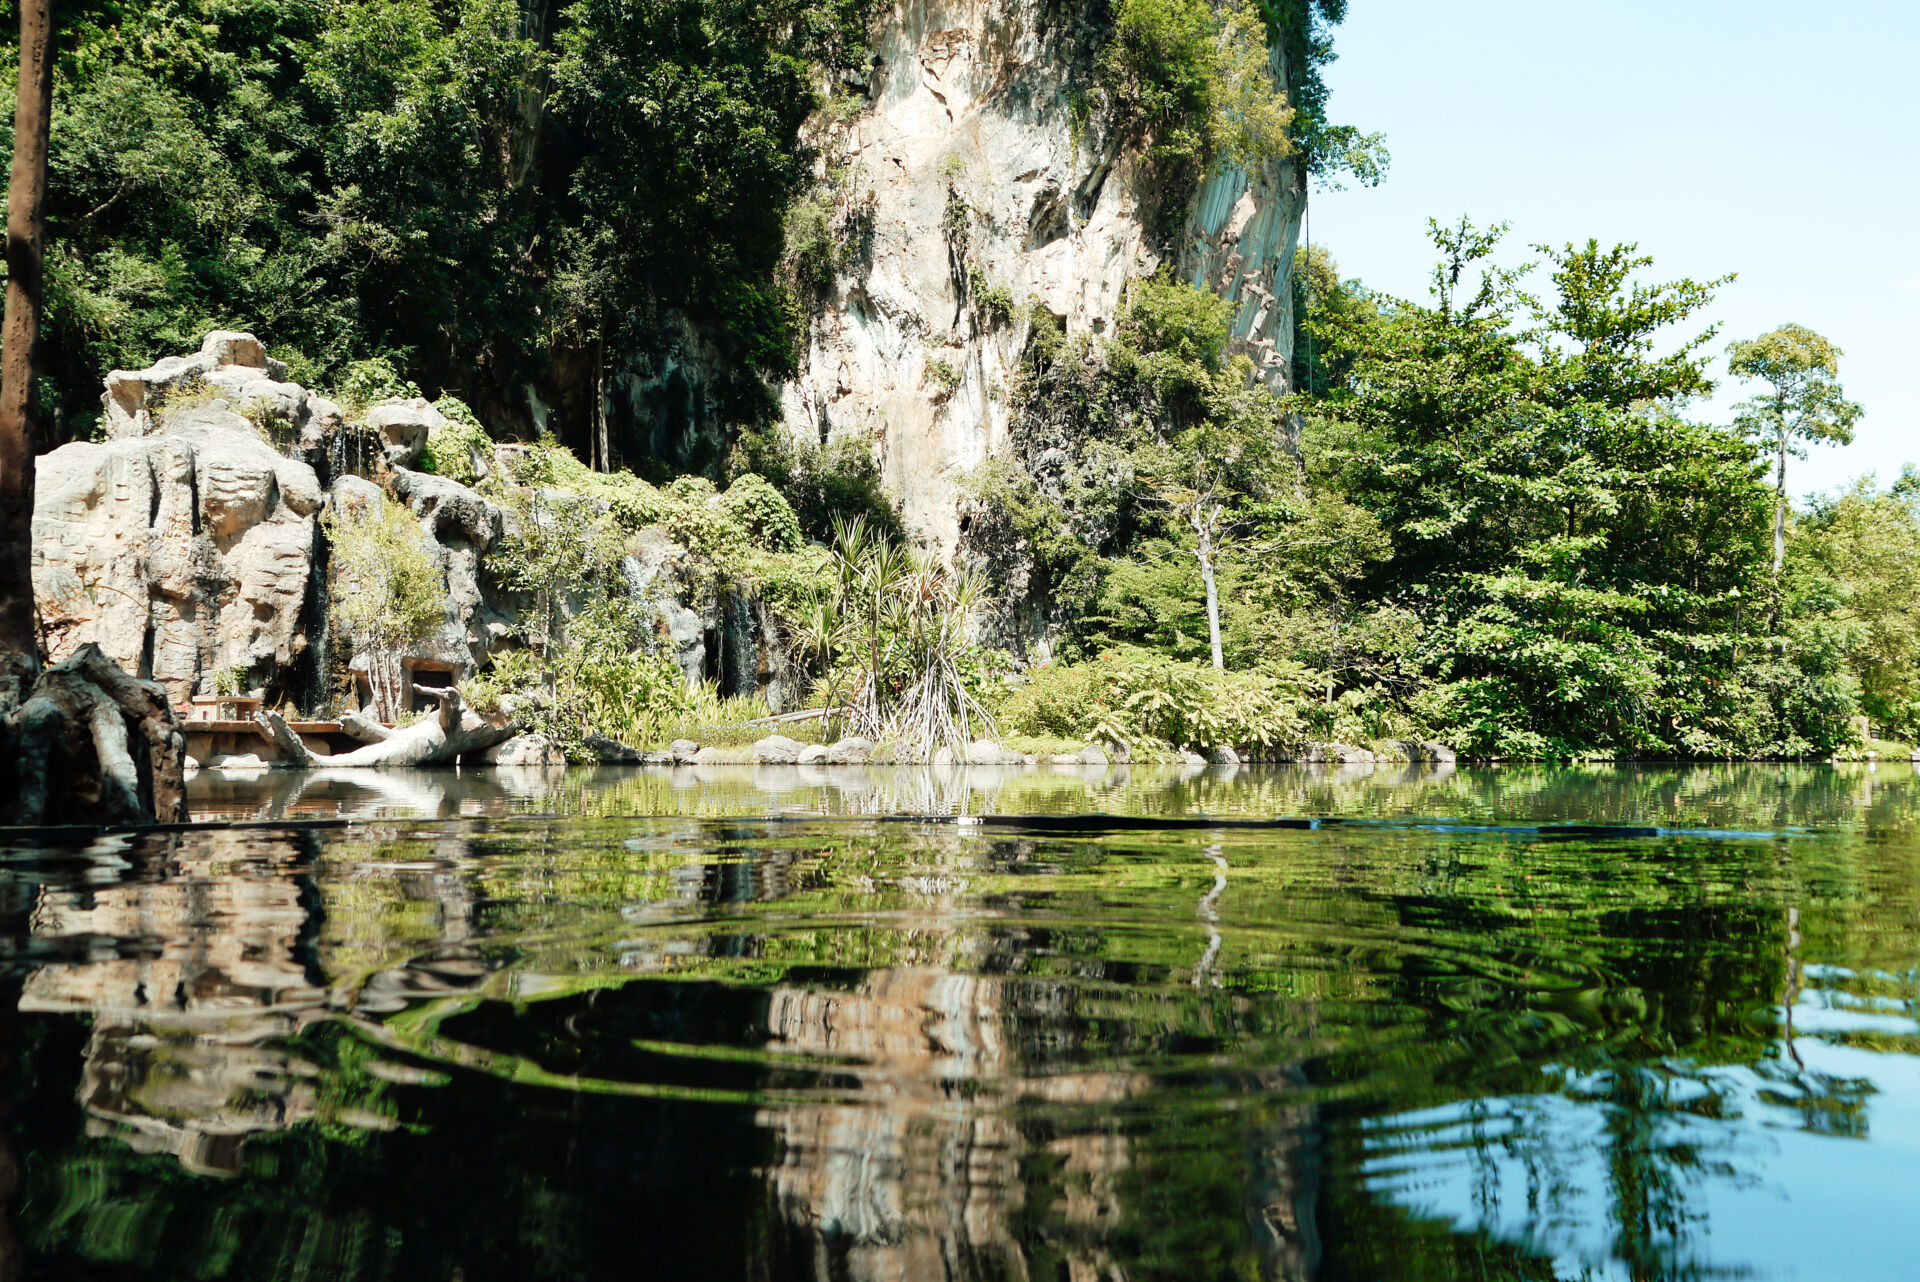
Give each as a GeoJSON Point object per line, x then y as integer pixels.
{"type": "Point", "coordinates": [601, 460]}
{"type": "Point", "coordinates": [1203, 552]}
{"type": "Point", "coordinates": [1780, 507]}
{"type": "Point", "coordinates": [26, 227]}
{"type": "Point", "coordinates": [438, 740]}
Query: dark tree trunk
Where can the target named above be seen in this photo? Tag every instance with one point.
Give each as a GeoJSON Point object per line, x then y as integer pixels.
{"type": "Point", "coordinates": [26, 228]}
{"type": "Point", "coordinates": [81, 742]}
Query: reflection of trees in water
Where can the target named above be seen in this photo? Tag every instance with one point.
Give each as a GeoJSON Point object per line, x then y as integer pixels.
{"type": "Point", "coordinates": [1745, 796]}
{"type": "Point", "coordinates": [930, 1052]}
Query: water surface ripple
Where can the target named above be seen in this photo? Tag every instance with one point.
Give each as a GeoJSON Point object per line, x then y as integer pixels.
{"type": "Point", "coordinates": [1512, 1023]}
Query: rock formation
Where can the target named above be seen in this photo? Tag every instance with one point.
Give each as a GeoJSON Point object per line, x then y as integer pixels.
{"type": "Point", "coordinates": [971, 175]}
{"type": "Point", "coordinates": [181, 553]}
{"type": "Point", "coordinates": [188, 546]}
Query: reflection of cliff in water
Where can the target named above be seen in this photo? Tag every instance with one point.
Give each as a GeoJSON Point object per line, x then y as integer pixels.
{"type": "Point", "coordinates": [983, 1102]}
{"type": "Point", "coordinates": [926, 1095]}
{"type": "Point", "coordinates": [198, 971]}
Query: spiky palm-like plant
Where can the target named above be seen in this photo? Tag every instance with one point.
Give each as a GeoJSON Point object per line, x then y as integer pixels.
{"type": "Point", "coordinates": [889, 637]}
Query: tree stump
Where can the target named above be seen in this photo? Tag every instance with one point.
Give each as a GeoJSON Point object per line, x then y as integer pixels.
{"type": "Point", "coordinates": [90, 744]}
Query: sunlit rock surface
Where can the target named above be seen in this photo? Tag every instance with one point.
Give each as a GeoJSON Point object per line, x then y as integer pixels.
{"type": "Point", "coordinates": [970, 172]}
{"type": "Point", "coordinates": [182, 553]}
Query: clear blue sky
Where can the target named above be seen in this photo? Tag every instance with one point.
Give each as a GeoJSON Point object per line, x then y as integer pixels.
{"type": "Point", "coordinates": [1777, 140]}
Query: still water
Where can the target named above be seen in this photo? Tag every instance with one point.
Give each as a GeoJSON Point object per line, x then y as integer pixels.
{"type": "Point", "coordinates": [1519, 1023]}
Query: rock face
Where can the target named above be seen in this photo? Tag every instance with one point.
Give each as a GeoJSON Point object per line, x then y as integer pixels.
{"type": "Point", "coordinates": [976, 183]}
{"type": "Point", "coordinates": [231, 364]}
{"type": "Point", "coordinates": [186, 544]}
{"type": "Point", "coordinates": [183, 552]}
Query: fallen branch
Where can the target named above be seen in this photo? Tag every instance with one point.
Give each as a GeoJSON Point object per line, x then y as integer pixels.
{"type": "Point", "coordinates": [453, 732]}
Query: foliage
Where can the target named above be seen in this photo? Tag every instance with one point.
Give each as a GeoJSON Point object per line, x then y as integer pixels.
{"type": "Point", "coordinates": [888, 636]}
{"type": "Point", "coordinates": [1147, 700]}
{"type": "Point", "coordinates": [454, 449]}
{"type": "Point", "coordinates": [1856, 562]}
{"type": "Point", "coordinates": [1302, 29]}
{"type": "Point", "coordinates": [942, 376]}
{"type": "Point", "coordinates": [387, 591]}
{"type": "Point", "coordinates": [1581, 555]}
{"type": "Point", "coordinates": [1172, 335]}
{"type": "Point", "coordinates": [1806, 402]}
{"type": "Point", "coordinates": [993, 302]}
{"type": "Point", "coordinates": [598, 685]}
{"type": "Point", "coordinates": [366, 383]}
{"type": "Point", "coordinates": [762, 512]}
{"type": "Point", "coordinates": [1487, 520]}
{"type": "Point", "coordinates": [688, 510]}
{"type": "Point", "coordinates": [596, 662]}
{"type": "Point", "coordinates": [457, 187]}
{"type": "Point", "coordinates": [1192, 83]}
{"type": "Point", "coordinates": [821, 482]}
{"type": "Point", "coordinates": [591, 665]}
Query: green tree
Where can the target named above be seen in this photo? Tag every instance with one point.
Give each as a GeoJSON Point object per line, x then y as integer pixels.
{"type": "Point", "coordinates": [1806, 403]}
{"type": "Point", "coordinates": [388, 591]}
{"type": "Point", "coordinates": [1580, 554]}
{"type": "Point", "coordinates": [1855, 559]}
{"type": "Point", "coordinates": [1215, 475]}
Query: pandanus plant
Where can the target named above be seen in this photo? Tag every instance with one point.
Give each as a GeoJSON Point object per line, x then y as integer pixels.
{"type": "Point", "coordinates": [889, 637]}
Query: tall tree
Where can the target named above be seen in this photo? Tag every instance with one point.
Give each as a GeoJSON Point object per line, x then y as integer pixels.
{"type": "Point", "coordinates": [26, 225]}
{"type": "Point", "coordinates": [1806, 403]}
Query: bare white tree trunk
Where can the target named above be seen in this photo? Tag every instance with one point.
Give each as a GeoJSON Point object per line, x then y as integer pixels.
{"type": "Point", "coordinates": [1204, 517]}
{"type": "Point", "coordinates": [1780, 506]}
{"type": "Point", "coordinates": [437, 740]}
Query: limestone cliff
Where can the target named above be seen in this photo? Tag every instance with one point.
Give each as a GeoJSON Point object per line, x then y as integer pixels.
{"type": "Point", "coordinates": [182, 553]}
{"type": "Point", "coordinates": [189, 544]}
{"type": "Point", "coordinates": [969, 180]}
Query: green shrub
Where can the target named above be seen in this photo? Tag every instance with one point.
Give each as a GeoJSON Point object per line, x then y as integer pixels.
{"type": "Point", "coordinates": [451, 450]}
{"type": "Point", "coordinates": [386, 591]}
{"type": "Point", "coordinates": [1147, 701]}
{"type": "Point", "coordinates": [754, 505]}
{"type": "Point", "coordinates": [820, 482]}
{"type": "Point", "coordinates": [992, 301]}
{"type": "Point", "coordinates": [1193, 82]}
{"type": "Point", "coordinates": [942, 376]}
{"type": "Point", "coordinates": [368, 382]}
{"type": "Point", "coordinates": [1171, 335]}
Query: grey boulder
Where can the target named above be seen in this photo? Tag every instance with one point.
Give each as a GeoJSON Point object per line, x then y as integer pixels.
{"type": "Point", "coordinates": [777, 750]}
{"type": "Point", "coordinates": [851, 751]}
{"type": "Point", "coordinates": [526, 750]}
{"type": "Point", "coordinates": [985, 752]}
{"type": "Point", "coordinates": [404, 427]}
{"type": "Point", "coordinates": [611, 751]}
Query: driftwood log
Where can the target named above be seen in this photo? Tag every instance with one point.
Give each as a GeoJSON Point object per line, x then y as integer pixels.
{"type": "Point", "coordinates": [90, 744]}
{"type": "Point", "coordinates": [453, 732]}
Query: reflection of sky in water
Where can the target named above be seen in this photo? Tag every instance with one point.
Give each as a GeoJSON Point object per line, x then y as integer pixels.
{"type": "Point", "coordinates": [1719, 1148]}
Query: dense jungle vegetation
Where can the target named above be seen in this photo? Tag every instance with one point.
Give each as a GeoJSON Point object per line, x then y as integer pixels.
{"type": "Point", "coordinates": [1487, 518]}
{"type": "Point", "coordinates": [492, 195]}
